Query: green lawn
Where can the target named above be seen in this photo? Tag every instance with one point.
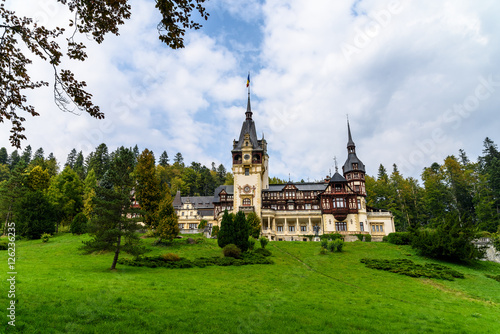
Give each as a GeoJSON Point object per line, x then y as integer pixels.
{"type": "Point", "coordinates": [60, 290]}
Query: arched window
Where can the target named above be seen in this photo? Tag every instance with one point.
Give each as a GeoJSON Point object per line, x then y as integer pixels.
{"type": "Point", "coordinates": [246, 202]}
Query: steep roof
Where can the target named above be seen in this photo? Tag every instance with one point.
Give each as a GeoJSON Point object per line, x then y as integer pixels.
{"type": "Point", "coordinates": [199, 202]}
{"type": "Point", "coordinates": [248, 127]}
{"type": "Point", "coordinates": [337, 178]}
{"type": "Point", "coordinates": [352, 158]}
{"type": "Point", "coordinates": [177, 202]}
{"type": "Point", "coordinates": [300, 186]}
{"type": "Point", "coordinates": [229, 190]}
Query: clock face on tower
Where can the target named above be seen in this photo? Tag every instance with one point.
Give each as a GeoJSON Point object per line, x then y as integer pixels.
{"type": "Point", "coordinates": [246, 189]}
{"type": "Point", "coordinates": [246, 156]}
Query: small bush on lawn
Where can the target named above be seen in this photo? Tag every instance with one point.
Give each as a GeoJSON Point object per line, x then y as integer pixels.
{"type": "Point", "coordinates": [79, 224]}
{"type": "Point", "coordinates": [231, 250]}
{"type": "Point", "coordinates": [323, 251]}
{"type": "Point", "coordinates": [4, 244]}
{"type": "Point", "coordinates": [331, 236]}
{"type": "Point", "coordinates": [409, 268]}
{"type": "Point", "coordinates": [263, 252]}
{"type": "Point", "coordinates": [385, 238]}
{"type": "Point", "coordinates": [200, 240]}
{"type": "Point", "coordinates": [399, 238]}
{"type": "Point", "coordinates": [324, 243]}
{"type": "Point", "coordinates": [161, 262]}
{"type": "Point", "coordinates": [45, 237]}
{"type": "Point", "coordinates": [215, 231]}
{"type": "Point", "coordinates": [496, 278]}
{"type": "Point", "coordinates": [171, 257]}
{"type": "Point", "coordinates": [368, 238]}
{"type": "Point", "coordinates": [263, 242]}
{"type": "Point", "coordinates": [251, 243]}
{"type": "Point", "coordinates": [336, 245]}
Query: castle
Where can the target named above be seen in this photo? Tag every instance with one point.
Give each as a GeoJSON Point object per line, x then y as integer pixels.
{"type": "Point", "coordinates": [288, 211]}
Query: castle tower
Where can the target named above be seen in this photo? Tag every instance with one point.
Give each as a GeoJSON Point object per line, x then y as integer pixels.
{"type": "Point", "coordinates": [250, 167]}
{"type": "Point", "coordinates": [354, 169]}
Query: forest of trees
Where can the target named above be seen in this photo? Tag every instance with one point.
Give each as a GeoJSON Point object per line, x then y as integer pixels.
{"type": "Point", "coordinates": [37, 184]}
{"type": "Point", "coordinates": [468, 190]}
{"type": "Point", "coordinates": [36, 187]}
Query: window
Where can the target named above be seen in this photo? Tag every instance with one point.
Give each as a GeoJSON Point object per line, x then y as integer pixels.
{"type": "Point", "coordinates": [341, 226]}
{"type": "Point", "coordinates": [308, 206]}
{"type": "Point", "coordinates": [354, 166]}
{"type": "Point", "coordinates": [303, 228]}
{"type": "Point", "coordinates": [304, 239]}
{"type": "Point", "coordinates": [359, 205]}
{"type": "Point", "coordinates": [193, 226]}
{"type": "Point", "coordinates": [340, 203]}
{"type": "Point", "coordinates": [181, 226]}
{"type": "Point", "coordinates": [291, 228]}
{"type": "Point", "coordinates": [279, 228]}
{"type": "Point", "coordinates": [247, 202]}
{"type": "Point", "coordinates": [356, 189]}
{"type": "Point", "coordinates": [290, 206]}
{"type": "Point", "coordinates": [361, 227]}
{"type": "Point", "coordinates": [182, 213]}
{"type": "Point", "coordinates": [247, 171]}
{"type": "Point", "coordinates": [376, 226]}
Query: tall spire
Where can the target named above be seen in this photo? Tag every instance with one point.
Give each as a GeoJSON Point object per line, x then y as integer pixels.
{"type": "Point", "coordinates": [350, 142]}
{"type": "Point", "coordinates": [248, 113]}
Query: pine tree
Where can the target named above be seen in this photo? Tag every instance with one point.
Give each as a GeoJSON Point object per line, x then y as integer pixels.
{"type": "Point", "coordinates": [26, 156]}
{"type": "Point", "coordinates": [226, 232]}
{"type": "Point", "coordinates": [163, 159]}
{"type": "Point", "coordinates": [35, 215]}
{"type": "Point", "coordinates": [4, 156]}
{"type": "Point", "coordinates": [70, 161]}
{"type": "Point", "coordinates": [109, 226]}
{"type": "Point", "coordinates": [147, 188]}
{"type": "Point", "coordinates": [241, 231]}
{"type": "Point", "coordinates": [167, 227]}
{"type": "Point", "coordinates": [254, 225]}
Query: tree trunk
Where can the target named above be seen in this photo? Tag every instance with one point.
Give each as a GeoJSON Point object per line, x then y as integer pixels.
{"type": "Point", "coordinates": [7, 219]}
{"type": "Point", "coordinates": [117, 252]}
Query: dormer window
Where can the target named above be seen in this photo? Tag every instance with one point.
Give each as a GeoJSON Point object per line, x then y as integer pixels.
{"type": "Point", "coordinates": [354, 166]}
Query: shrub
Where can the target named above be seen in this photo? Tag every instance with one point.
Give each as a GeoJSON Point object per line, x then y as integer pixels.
{"type": "Point", "coordinates": [385, 238]}
{"type": "Point", "coordinates": [263, 242]}
{"type": "Point", "coordinates": [200, 240]}
{"type": "Point", "coordinates": [339, 244]}
{"type": "Point", "coordinates": [409, 268]}
{"type": "Point", "coordinates": [263, 252]}
{"type": "Point", "coordinates": [495, 238]}
{"type": "Point", "coordinates": [324, 243]}
{"type": "Point", "coordinates": [368, 238]}
{"type": "Point", "coordinates": [336, 245]}
{"type": "Point", "coordinates": [4, 244]}
{"type": "Point", "coordinates": [215, 231]}
{"type": "Point", "coordinates": [323, 251]}
{"type": "Point", "coordinates": [79, 224]}
{"type": "Point", "coordinates": [45, 237]}
{"type": "Point", "coordinates": [202, 224]}
{"type": "Point", "coordinates": [251, 243]}
{"type": "Point", "coordinates": [171, 257]}
{"type": "Point", "coordinates": [399, 238]}
{"type": "Point", "coordinates": [231, 250]}
{"type": "Point", "coordinates": [451, 241]}
{"type": "Point", "coordinates": [331, 236]}
{"type": "Point", "coordinates": [360, 236]}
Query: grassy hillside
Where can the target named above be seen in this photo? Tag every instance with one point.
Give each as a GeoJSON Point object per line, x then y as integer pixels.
{"type": "Point", "coordinates": [60, 290]}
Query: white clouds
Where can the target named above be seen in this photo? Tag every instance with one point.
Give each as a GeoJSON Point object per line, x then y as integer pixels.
{"type": "Point", "coordinates": [397, 87]}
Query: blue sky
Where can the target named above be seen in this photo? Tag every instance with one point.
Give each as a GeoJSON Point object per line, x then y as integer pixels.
{"type": "Point", "coordinates": [419, 80]}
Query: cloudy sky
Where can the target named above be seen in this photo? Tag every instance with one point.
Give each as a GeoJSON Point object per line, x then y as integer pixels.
{"type": "Point", "coordinates": [419, 80]}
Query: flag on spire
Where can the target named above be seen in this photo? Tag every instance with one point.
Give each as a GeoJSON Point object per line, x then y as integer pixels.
{"type": "Point", "coordinates": [248, 79]}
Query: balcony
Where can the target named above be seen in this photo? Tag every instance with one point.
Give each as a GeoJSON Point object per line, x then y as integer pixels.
{"type": "Point", "coordinates": [247, 208]}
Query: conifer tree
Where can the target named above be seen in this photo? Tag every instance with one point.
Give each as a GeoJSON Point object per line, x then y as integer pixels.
{"type": "Point", "coordinates": [241, 231]}
{"type": "Point", "coordinates": [163, 159]}
{"type": "Point", "coordinates": [167, 227]}
{"type": "Point", "coordinates": [110, 227]}
{"type": "Point", "coordinates": [254, 225]}
{"type": "Point", "coordinates": [147, 188]}
{"type": "Point", "coordinates": [225, 236]}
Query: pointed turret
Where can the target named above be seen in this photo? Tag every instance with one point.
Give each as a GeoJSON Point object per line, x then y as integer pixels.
{"type": "Point", "coordinates": [248, 113]}
{"type": "Point", "coordinates": [352, 163]}
{"type": "Point", "coordinates": [248, 128]}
